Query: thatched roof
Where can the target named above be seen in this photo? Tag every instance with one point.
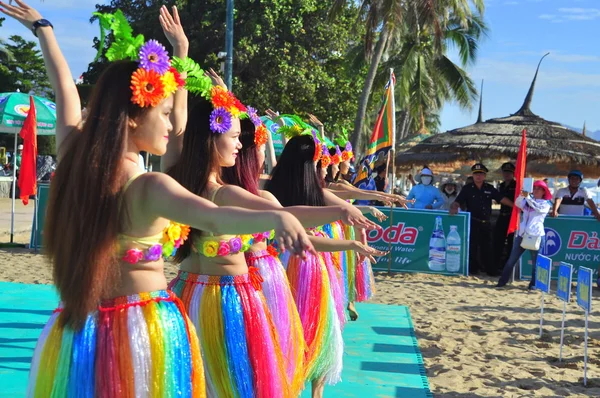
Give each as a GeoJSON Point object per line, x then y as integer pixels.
{"type": "Point", "coordinates": [500, 138]}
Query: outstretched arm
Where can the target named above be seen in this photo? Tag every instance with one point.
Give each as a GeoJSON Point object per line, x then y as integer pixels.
{"type": "Point", "coordinates": [68, 104]}
{"type": "Point", "coordinates": [168, 199]}
{"type": "Point", "coordinates": [171, 25]}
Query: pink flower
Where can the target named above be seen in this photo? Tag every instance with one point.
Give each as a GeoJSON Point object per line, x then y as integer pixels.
{"type": "Point", "coordinates": [223, 249]}
{"type": "Point", "coordinates": [132, 256]}
{"type": "Point", "coordinates": [178, 243]}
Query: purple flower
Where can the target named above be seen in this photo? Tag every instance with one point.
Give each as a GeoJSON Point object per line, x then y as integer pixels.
{"type": "Point", "coordinates": [253, 114]}
{"type": "Point", "coordinates": [220, 120]}
{"type": "Point", "coordinates": [154, 253]}
{"type": "Point", "coordinates": [235, 244]}
{"type": "Point", "coordinates": [337, 150]}
{"type": "Point", "coordinates": [348, 147]}
{"type": "Point", "coordinates": [154, 56]}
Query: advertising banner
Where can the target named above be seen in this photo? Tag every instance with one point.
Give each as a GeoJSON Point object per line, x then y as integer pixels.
{"type": "Point", "coordinates": [423, 241]}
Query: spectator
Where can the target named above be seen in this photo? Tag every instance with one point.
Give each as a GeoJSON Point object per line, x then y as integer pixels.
{"type": "Point", "coordinates": [477, 198]}
{"type": "Point", "coordinates": [531, 230]}
{"type": "Point", "coordinates": [449, 193]}
{"type": "Point", "coordinates": [571, 200]}
{"type": "Point", "coordinates": [381, 182]}
{"type": "Point", "coordinates": [502, 240]}
{"type": "Point", "coordinates": [426, 196]}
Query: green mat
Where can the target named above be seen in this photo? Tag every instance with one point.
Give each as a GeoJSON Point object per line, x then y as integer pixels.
{"type": "Point", "coordinates": [382, 357]}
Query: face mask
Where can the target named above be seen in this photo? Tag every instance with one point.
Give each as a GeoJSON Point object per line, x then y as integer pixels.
{"type": "Point", "coordinates": [449, 190]}
{"type": "Point", "coordinates": [426, 180]}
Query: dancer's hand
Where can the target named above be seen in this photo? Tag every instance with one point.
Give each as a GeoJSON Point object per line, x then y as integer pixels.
{"type": "Point", "coordinates": [272, 114]}
{"type": "Point", "coordinates": [353, 216]}
{"type": "Point", "coordinates": [377, 214]}
{"type": "Point", "coordinates": [368, 251]}
{"type": "Point", "coordinates": [21, 12]}
{"type": "Point", "coordinates": [290, 235]}
{"type": "Point", "coordinates": [216, 79]}
{"type": "Point", "coordinates": [171, 26]}
{"type": "Point", "coordinates": [314, 119]}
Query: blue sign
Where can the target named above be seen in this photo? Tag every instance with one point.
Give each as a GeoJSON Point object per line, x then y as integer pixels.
{"type": "Point", "coordinates": [584, 288]}
{"type": "Point", "coordinates": [552, 243]}
{"type": "Point", "coordinates": [543, 272]}
{"type": "Point", "coordinates": [565, 275]}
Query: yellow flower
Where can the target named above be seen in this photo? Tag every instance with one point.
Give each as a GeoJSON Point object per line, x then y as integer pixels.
{"type": "Point", "coordinates": [174, 232]}
{"type": "Point", "coordinates": [169, 82]}
{"type": "Point", "coordinates": [210, 248]}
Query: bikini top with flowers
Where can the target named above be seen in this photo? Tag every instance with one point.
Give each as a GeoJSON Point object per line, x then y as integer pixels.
{"type": "Point", "coordinates": [151, 248]}
{"type": "Point", "coordinates": [223, 245]}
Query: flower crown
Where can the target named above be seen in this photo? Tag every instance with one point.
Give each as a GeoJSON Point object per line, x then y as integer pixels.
{"type": "Point", "coordinates": [299, 127]}
{"type": "Point", "coordinates": [341, 139]}
{"type": "Point", "coordinates": [260, 132]}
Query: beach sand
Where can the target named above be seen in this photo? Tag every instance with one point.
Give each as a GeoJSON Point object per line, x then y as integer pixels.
{"type": "Point", "coordinates": [476, 341]}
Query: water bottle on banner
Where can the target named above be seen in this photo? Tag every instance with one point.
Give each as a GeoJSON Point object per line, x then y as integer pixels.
{"type": "Point", "coordinates": [453, 246]}
{"type": "Point", "coordinates": [437, 247]}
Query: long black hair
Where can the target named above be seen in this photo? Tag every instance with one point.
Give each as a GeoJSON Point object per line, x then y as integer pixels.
{"type": "Point", "coordinates": [294, 181]}
{"type": "Point", "coordinates": [330, 178]}
{"type": "Point", "coordinates": [246, 171]}
{"type": "Point", "coordinates": [199, 157]}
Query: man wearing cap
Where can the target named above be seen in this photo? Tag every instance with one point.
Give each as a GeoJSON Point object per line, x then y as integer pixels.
{"type": "Point", "coordinates": [426, 196]}
{"type": "Point", "coordinates": [507, 188]}
{"type": "Point", "coordinates": [571, 200]}
{"type": "Point", "coordinates": [477, 198]}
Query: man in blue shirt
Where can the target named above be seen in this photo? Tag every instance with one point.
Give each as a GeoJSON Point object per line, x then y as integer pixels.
{"type": "Point", "coordinates": [426, 196]}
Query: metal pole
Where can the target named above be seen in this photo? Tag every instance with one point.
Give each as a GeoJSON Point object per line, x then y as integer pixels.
{"type": "Point", "coordinates": [229, 45]}
{"type": "Point", "coordinates": [393, 155]}
{"type": "Point", "coordinates": [14, 191]}
{"type": "Point", "coordinates": [36, 225]}
{"type": "Point", "coordinates": [562, 330]}
{"type": "Point", "coordinates": [585, 345]}
{"type": "Point", "coordinates": [542, 315]}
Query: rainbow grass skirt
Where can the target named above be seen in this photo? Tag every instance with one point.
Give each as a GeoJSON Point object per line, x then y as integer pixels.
{"type": "Point", "coordinates": [239, 341]}
{"type": "Point", "coordinates": [276, 289]}
{"type": "Point", "coordinates": [317, 291]}
{"type": "Point", "coordinates": [360, 281]}
{"type": "Point", "coordinates": [134, 346]}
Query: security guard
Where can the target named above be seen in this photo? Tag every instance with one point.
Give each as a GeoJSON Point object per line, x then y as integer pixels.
{"type": "Point", "coordinates": [501, 240]}
{"type": "Point", "coordinates": [477, 198]}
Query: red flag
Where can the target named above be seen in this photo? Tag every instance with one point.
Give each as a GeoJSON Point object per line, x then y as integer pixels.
{"type": "Point", "coordinates": [27, 172]}
{"type": "Point", "coordinates": [519, 175]}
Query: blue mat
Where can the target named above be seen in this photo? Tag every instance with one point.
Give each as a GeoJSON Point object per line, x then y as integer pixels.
{"type": "Point", "coordinates": [382, 357]}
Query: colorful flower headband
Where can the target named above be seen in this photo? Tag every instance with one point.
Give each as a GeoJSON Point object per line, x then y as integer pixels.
{"type": "Point", "coordinates": [158, 76]}
{"type": "Point", "coordinates": [260, 130]}
{"type": "Point", "coordinates": [325, 157]}
{"type": "Point", "coordinates": [341, 140]}
{"type": "Point", "coordinates": [299, 127]}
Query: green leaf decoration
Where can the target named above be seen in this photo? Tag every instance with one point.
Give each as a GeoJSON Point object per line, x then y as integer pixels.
{"type": "Point", "coordinates": [196, 81]}
{"type": "Point", "coordinates": [341, 138]}
{"type": "Point", "coordinates": [243, 115]}
{"type": "Point", "coordinates": [124, 46]}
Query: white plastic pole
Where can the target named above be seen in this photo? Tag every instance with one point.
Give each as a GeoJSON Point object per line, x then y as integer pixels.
{"type": "Point", "coordinates": [585, 345]}
{"type": "Point", "coordinates": [562, 331]}
{"type": "Point", "coordinates": [542, 315]}
{"type": "Point", "coordinates": [14, 192]}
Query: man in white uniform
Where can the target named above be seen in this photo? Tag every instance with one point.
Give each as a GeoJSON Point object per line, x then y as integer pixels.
{"type": "Point", "coordinates": [572, 199]}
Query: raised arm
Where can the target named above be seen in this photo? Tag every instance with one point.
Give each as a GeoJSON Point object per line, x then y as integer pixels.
{"type": "Point", "coordinates": [68, 104]}
{"type": "Point", "coordinates": [171, 25]}
{"type": "Point", "coordinates": [170, 200]}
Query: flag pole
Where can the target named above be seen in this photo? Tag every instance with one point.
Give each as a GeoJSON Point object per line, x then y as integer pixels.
{"type": "Point", "coordinates": [392, 154]}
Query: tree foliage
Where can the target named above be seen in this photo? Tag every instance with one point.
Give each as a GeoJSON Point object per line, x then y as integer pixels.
{"type": "Point", "coordinates": [287, 55]}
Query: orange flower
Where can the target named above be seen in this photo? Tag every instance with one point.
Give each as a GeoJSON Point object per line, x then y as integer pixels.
{"type": "Point", "coordinates": [325, 160]}
{"type": "Point", "coordinates": [346, 156]}
{"type": "Point", "coordinates": [318, 152]}
{"type": "Point", "coordinates": [220, 98]}
{"type": "Point", "coordinates": [260, 135]}
{"type": "Point", "coordinates": [335, 159]}
{"type": "Point", "coordinates": [147, 87]}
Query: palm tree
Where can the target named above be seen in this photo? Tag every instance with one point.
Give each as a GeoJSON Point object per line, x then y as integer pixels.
{"type": "Point", "coordinates": [385, 19]}
{"type": "Point", "coordinates": [427, 78]}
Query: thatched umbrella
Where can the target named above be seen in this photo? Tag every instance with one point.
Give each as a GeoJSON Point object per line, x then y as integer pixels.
{"type": "Point", "coordinates": [547, 142]}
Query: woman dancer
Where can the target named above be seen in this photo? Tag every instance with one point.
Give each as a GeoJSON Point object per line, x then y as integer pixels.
{"type": "Point", "coordinates": [314, 280]}
{"type": "Point", "coordinates": [119, 332]}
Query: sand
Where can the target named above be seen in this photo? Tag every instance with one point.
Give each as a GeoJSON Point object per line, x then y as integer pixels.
{"type": "Point", "coordinates": [476, 341]}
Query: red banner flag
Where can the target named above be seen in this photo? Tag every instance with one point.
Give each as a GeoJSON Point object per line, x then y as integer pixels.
{"type": "Point", "coordinates": [27, 172]}
{"type": "Point", "coordinates": [519, 175]}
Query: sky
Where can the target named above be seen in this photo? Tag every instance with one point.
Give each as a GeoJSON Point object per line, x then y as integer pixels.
{"type": "Point", "coordinates": [521, 31]}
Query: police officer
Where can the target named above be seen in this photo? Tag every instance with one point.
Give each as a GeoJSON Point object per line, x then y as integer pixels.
{"type": "Point", "coordinates": [507, 188]}
{"type": "Point", "coordinates": [477, 198]}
